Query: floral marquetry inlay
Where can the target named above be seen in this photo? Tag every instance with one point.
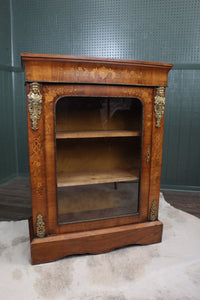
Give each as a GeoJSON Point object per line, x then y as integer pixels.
{"type": "Point", "coordinates": [36, 145]}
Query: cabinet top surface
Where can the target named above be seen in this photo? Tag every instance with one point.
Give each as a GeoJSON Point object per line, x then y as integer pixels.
{"type": "Point", "coordinates": [91, 70]}
{"type": "Point", "coordinates": [70, 58]}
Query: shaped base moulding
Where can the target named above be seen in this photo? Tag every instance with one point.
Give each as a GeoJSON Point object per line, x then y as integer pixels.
{"type": "Point", "coordinates": [98, 241]}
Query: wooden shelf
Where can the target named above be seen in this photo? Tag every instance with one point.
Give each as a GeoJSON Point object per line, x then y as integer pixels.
{"type": "Point", "coordinates": [96, 134]}
{"type": "Point", "coordinates": [65, 179]}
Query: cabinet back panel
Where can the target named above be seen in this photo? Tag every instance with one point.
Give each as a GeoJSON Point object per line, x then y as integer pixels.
{"type": "Point", "coordinates": [81, 113]}
{"type": "Point", "coordinates": [97, 154]}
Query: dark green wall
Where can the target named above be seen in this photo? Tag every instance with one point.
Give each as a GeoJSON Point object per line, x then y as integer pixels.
{"type": "Point", "coordinates": [8, 159]}
{"type": "Point", "coordinates": [181, 149]}
{"type": "Point", "coordinates": [154, 30]}
{"type": "Point", "coordinates": [5, 34]}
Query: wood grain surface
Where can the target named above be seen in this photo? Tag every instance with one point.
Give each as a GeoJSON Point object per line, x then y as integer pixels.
{"type": "Point", "coordinates": [94, 242]}
{"type": "Point", "coordinates": [67, 83]}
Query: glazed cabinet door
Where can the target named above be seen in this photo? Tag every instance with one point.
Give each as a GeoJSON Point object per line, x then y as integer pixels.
{"type": "Point", "coordinates": [95, 157]}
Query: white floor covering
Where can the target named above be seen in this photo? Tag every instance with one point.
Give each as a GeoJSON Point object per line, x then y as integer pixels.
{"type": "Point", "coordinates": [169, 270]}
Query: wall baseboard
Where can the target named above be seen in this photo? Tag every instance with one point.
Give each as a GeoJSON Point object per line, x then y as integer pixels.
{"type": "Point", "coordinates": [179, 188]}
{"type": "Point", "coordinates": [23, 175]}
{"type": "Point", "coordinates": [8, 179]}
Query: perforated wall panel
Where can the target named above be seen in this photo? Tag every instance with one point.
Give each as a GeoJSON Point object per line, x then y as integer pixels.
{"type": "Point", "coordinates": [155, 30]}
{"type": "Point", "coordinates": [5, 50]}
{"type": "Point", "coordinates": [181, 149]}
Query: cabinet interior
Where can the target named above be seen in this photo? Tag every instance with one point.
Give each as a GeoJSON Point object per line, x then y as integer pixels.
{"type": "Point", "coordinates": [98, 157]}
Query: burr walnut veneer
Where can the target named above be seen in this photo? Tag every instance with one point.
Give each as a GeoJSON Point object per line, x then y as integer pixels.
{"type": "Point", "coordinates": [95, 131]}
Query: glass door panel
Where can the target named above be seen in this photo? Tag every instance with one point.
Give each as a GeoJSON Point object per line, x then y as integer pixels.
{"type": "Point", "coordinates": [98, 157]}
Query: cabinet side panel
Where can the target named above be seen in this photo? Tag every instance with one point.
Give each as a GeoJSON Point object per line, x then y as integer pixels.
{"type": "Point", "coordinates": [156, 164]}
{"type": "Point", "coordinates": [37, 165]}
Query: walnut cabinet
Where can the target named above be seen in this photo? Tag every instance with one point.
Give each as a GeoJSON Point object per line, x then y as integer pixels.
{"type": "Point", "coordinates": [95, 130]}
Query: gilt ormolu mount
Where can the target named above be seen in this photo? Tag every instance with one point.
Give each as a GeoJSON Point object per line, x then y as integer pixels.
{"type": "Point", "coordinates": [95, 149]}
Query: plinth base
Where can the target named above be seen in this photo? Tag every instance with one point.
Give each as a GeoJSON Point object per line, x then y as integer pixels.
{"type": "Point", "coordinates": [54, 247]}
